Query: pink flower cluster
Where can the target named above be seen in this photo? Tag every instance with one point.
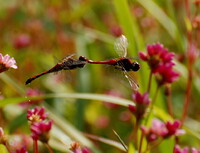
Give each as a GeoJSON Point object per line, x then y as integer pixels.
{"type": "Point", "coordinates": [40, 127]}
{"type": "Point", "coordinates": [162, 130]}
{"type": "Point", "coordinates": [21, 150]}
{"type": "Point", "coordinates": [36, 115]}
{"type": "Point", "coordinates": [161, 63]}
{"type": "Point", "coordinates": [6, 62]}
{"type": "Point", "coordinates": [141, 101]}
{"type": "Point", "coordinates": [76, 148]}
{"type": "Point", "coordinates": [178, 149]}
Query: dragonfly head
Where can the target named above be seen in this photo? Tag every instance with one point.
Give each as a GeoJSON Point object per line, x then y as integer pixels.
{"type": "Point", "coordinates": [135, 66]}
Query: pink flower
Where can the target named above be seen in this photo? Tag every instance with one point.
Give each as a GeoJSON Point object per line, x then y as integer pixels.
{"type": "Point", "coordinates": [76, 148]}
{"type": "Point", "coordinates": [6, 62]}
{"type": "Point", "coordinates": [21, 150]}
{"type": "Point", "coordinates": [141, 101]}
{"type": "Point", "coordinates": [21, 41]}
{"type": "Point", "coordinates": [157, 130]}
{"type": "Point", "coordinates": [157, 55]}
{"type": "Point", "coordinates": [194, 150]}
{"type": "Point", "coordinates": [162, 130]}
{"type": "Point", "coordinates": [36, 114]}
{"type": "Point", "coordinates": [86, 150]}
{"type": "Point", "coordinates": [177, 149]}
{"type": "Point", "coordinates": [144, 99]}
{"type": "Point", "coordinates": [165, 74]}
{"type": "Point", "coordinates": [40, 130]}
{"type": "Point", "coordinates": [174, 128]}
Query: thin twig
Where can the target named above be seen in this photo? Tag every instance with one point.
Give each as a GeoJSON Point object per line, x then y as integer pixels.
{"type": "Point", "coordinates": [121, 141]}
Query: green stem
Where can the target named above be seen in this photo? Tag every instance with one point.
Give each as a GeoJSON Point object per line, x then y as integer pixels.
{"type": "Point", "coordinates": [141, 141]}
{"type": "Point", "coordinates": [49, 147]}
{"type": "Point", "coordinates": [187, 97]}
{"type": "Point", "coordinates": [169, 101]}
{"type": "Point", "coordinates": [149, 83]}
{"type": "Point", "coordinates": [152, 103]}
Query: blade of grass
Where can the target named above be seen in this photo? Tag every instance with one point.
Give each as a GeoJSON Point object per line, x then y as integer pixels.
{"type": "Point", "coordinates": [132, 32]}
{"type": "Point", "coordinates": [129, 26]}
{"type": "Point", "coordinates": [12, 83]}
{"type": "Point", "coordinates": [164, 20]}
{"type": "Point", "coordinates": [70, 130]}
{"type": "Point", "coordinates": [106, 141]}
{"type": "Point", "coordinates": [88, 96]}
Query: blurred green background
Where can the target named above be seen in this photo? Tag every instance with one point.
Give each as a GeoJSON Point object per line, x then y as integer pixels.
{"type": "Point", "coordinates": [38, 33]}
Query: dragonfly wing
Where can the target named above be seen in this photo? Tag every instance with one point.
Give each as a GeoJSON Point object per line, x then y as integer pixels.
{"type": "Point", "coordinates": [131, 81]}
{"type": "Point", "coordinates": [121, 45]}
{"type": "Point", "coordinates": [68, 56]}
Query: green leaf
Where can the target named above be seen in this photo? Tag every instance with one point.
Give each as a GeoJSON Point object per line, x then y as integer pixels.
{"type": "Point", "coordinates": [129, 26]}
{"type": "Point", "coordinates": [163, 19]}
{"type": "Point", "coordinates": [88, 96]}
{"type": "Point", "coordinates": [70, 130]}
{"type": "Point", "coordinates": [131, 148]}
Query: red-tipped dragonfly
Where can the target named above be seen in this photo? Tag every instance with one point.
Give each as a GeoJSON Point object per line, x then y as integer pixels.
{"type": "Point", "coordinates": [67, 63]}
{"type": "Point", "coordinates": [122, 63]}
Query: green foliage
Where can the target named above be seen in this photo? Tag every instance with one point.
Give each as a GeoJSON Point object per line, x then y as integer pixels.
{"type": "Point", "coordinates": [33, 32]}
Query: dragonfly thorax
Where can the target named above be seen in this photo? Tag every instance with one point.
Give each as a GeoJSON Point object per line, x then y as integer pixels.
{"type": "Point", "coordinates": [126, 64]}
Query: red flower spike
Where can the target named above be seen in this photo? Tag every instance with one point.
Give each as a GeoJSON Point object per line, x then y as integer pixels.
{"type": "Point", "coordinates": [141, 101]}
{"type": "Point", "coordinates": [138, 98]}
{"type": "Point", "coordinates": [132, 108]}
{"type": "Point", "coordinates": [36, 114]}
{"type": "Point", "coordinates": [21, 150]}
{"type": "Point", "coordinates": [40, 130]}
{"type": "Point", "coordinates": [157, 55]}
{"type": "Point", "coordinates": [165, 74]}
{"type": "Point", "coordinates": [173, 128]}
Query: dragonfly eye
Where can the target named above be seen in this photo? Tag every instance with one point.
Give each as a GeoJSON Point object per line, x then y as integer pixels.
{"type": "Point", "coordinates": [136, 66]}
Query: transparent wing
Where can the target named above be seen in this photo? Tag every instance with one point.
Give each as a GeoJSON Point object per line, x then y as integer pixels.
{"type": "Point", "coordinates": [121, 45]}
{"type": "Point", "coordinates": [68, 56]}
{"type": "Point", "coordinates": [131, 81]}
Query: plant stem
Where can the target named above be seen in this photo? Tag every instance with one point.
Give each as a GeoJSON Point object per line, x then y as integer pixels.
{"type": "Point", "coordinates": [169, 100]}
{"type": "Point", "coordinates": [8, 148]}
{"type": "Point", "coordinates": [187, 97]}
{"type": "Point", "coordinates": [35, 146]}
{"type": "Point", "coordinates": [135, 133]}
{"type": "Point", "coordinates": [149, 83]}
{"type": "Point", "coordinates": [49, 147]}
{"type": "Point", "coordinates": [152, 103]}
{"type": "Point", "coordinates": [189, 82]}
{"type": "Point", "coordinates": [141, 141]}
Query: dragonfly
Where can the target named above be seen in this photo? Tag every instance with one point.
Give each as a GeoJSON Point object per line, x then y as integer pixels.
{"type": "Point", "coordinates": [122, 63]}
{"type": "Point", "coordinates": [67, 63]}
